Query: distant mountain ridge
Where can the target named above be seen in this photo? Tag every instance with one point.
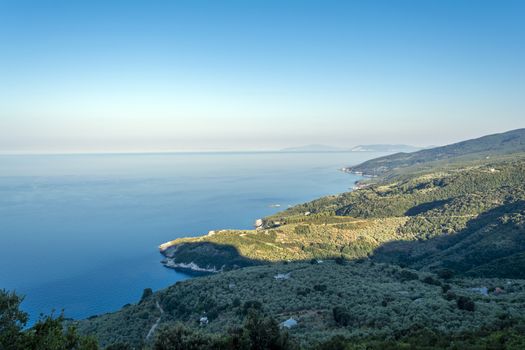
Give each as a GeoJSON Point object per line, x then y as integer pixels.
{"type": "Point", "coordinates": [358, 148]}
{"type": "Point", "coordinates": [315, 148]}
{"type": "Point", "coordinates": [385, 148]}
{"type": "Point", "coordinates": [492, 145]}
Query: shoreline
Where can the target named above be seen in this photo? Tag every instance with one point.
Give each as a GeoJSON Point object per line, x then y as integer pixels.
{"type": "Point", "coordinates": [169, 249]}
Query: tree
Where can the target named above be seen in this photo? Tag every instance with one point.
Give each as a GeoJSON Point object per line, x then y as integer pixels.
{"type": "Point", "coordinates": [12, 321]}
{"type": "Point", "coordinates": [465, 303]}
{"type": "Point", "coordinates": [263, 333]}
{"type": "Point", "coordinates": [341, 316]}
{"type": "Point", "coordinates": [47, 334]}
{"type": "Point", "coordinates": [119, 346]}
{"type": "Point", "coordinates": [148, 292]}
{"type": "Point", "coordinates": [180, 338]}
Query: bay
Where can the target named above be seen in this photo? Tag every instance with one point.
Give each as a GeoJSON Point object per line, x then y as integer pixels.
{"type": "Point", "coordinates": [80, 232]}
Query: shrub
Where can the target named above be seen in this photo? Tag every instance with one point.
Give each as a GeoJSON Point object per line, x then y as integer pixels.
{"type": "Point", "coordinates": [119, 346]}
{"type": "Point", "coordinates": [465, 303]}
{"type": "Point", "coordinates": [341, 316]}
{"type": "Point", "coordinates": [303, 291]}
{"type": "Point", "coordinates": [336, 343]}
{"type": "Point", "coordinates": [212, 314]}
{"type": "Point", "coordinates": [320, 287]}
{"type": "Point", "coordinates": [406, 275]}
{"type": "Point", "coordinates": [180, 338]}
{"type": "Point", "coordinates": [251, 305]}
{"type": "Point", "coordinates": [340, 260]}
{"type": "Point", "coordinates": [143, 315]}
{"type": "Point", "coordinates": [450, 295]}
{"type": "Point", "coordinates": [445, 274]}
{"type": "Point", "coordinates": [302, 229]}
{"type": "Point", "coordinates": [148, 292]}
{"type": "Point", "coordinates": [48, 332]}
{"type": "Point", "coordinates": [431, 280]}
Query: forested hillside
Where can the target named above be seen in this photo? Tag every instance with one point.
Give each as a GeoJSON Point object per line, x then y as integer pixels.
{"type": "Point", "coordinates": [430, 257]}
{"type": "Point", "coordinates": [477, 149]}
{"type": "Point", "coordinates": [465, 219]}
{"type": "Point", "coordinates": [361, 302]}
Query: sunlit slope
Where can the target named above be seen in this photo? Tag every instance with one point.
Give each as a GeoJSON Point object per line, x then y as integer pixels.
{"type": "Point", "coordinates": [435, 219]}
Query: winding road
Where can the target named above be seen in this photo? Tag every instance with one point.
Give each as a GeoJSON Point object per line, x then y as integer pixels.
{"type": "Point", "coordinates": [156, 324]}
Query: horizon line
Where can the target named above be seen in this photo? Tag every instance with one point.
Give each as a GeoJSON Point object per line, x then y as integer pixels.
{"type": "Point", "coordinates": [172, 152]}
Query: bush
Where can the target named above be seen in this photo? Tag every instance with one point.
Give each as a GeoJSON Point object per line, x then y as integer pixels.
{"type": "Point", "coordinates": [445, 274]}
{"type": "Point", "coordinates": [303, 291]}
{"type": "Point", "coordinates": [180, 338]}
{"type": "Point", "coordinates": [302, 229]}
{"type": "Point", "coordinates": [406, 275]}
{"type": "Point", "coordinates": [48, 332]}
{"type": "Point", "coordinates": [465, 303]}
{"type": "Point", "coordinates": [148, 292]}
{"type": "Point", "coordinates": [320, 287]}
{"type": "Point", "coordinates": [340, 260]}
{"type": "Point", "coordinates": [431, 280]}
{"type": "Point", "coordinates": [341, 316]}
{"type": "Point", "coordinates": [450, 295]}
{"type": "Point", "coordinates": [336, 343]}
{"type": "Point", "coordinates": [251, 305]}
{"type": "Point", "coordinates": [143, 315]}
{"type": "Point", "coordinates": [119, 346]}
{"type": "Point", "coordinates": [212, 314]}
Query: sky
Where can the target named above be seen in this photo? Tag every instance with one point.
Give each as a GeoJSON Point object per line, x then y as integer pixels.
{"type": "Point", "coordinates": [131, 76]}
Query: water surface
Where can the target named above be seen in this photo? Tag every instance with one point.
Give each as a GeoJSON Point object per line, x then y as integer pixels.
{"type": "Point", "coordinates": [80, 232]}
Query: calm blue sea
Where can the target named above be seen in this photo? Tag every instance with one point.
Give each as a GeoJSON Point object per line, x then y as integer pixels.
{"type": "Point", "coordinates": [80, 232]}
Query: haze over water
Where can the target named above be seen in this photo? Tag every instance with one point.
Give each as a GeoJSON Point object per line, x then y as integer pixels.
{"type": "Point", "coordinates": [81, 232]}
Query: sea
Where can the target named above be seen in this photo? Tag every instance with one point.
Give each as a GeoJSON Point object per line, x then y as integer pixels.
{"type": "Point", "coordinates": [79, 234]}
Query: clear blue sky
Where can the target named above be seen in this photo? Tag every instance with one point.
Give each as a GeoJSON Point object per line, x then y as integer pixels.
{"type": "Point", "coordinates": [171, 75]}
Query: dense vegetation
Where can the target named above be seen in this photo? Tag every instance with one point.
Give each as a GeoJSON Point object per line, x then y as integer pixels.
{"type": "Point", "coordinates": [510, 142]}
{"type": "Point", "coordinates": [358, 300]}
{"type": "Point", "coordinates": [469, 219]}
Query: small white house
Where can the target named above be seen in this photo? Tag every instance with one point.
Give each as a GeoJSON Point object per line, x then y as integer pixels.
{"type": "Point", "coordinates": [480, 290]}
{"type": "Point", "coordinates": [289, 323]}
{"type": "Point", "coordinates": [282, 276]}
{"type": "Point", "coordinates": [203, 321]}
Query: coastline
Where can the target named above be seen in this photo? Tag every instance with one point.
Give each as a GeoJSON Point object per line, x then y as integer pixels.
{"type": "Point", "coordinates": [170, 249]}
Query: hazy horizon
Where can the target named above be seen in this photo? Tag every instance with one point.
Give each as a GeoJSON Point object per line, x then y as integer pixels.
{"type": "Point", "coordinates": [162, 76]}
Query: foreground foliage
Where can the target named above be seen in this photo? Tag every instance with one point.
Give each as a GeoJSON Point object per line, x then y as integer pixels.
{"type": "Point", "coordinates": [48, 333]}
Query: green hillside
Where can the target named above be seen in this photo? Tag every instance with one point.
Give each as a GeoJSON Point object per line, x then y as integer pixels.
{"type": "Point", "coordinates": [477, 149]}
{"type": "Point", "coordinates": [459, 218]}
{"type": "Point", "coordinates": [363, 301]}
{"type": "Point", "coordinates": [429, 257]}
